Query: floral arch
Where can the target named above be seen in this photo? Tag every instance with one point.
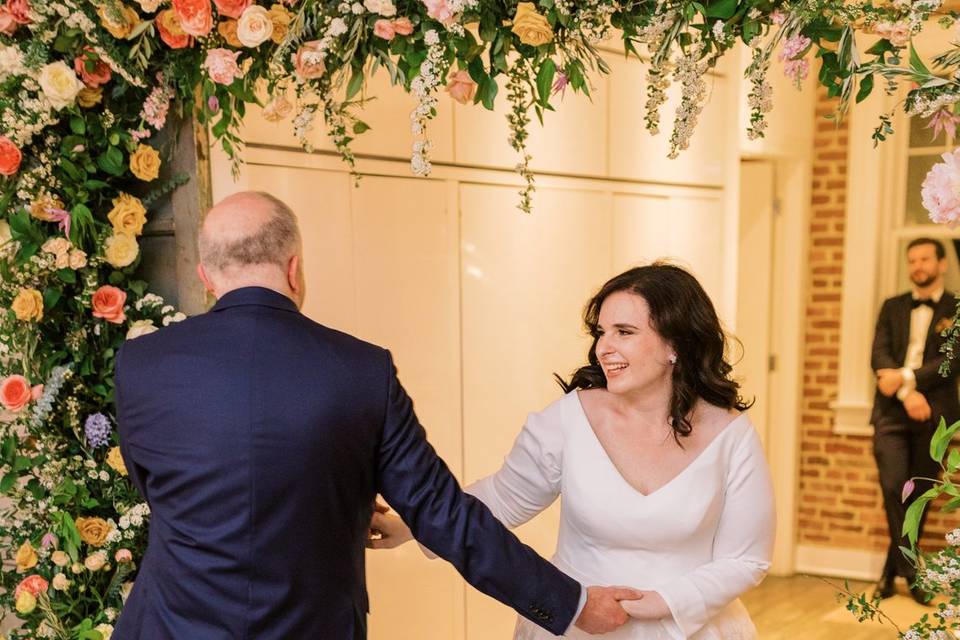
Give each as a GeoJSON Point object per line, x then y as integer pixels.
{"type": "Point", "coordinates": [88, 84]}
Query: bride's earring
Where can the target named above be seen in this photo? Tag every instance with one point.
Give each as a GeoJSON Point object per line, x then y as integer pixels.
{"type": "Point", "coordinates": [673, 358]}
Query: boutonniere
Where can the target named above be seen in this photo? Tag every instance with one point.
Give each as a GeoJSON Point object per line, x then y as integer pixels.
{"type": "Point", "coordinates": [943, 324]}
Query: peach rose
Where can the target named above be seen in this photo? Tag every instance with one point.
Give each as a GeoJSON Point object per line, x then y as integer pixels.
{"type": "Point", "coordinates": [196, 16]}
{"type": "Point", "coordinates": [254, 27]}
{"type": "Point", "coordinates": [221, 65]}
{"type": "Point", "coordinates": [94, 531]}
{"type": "Point", "coordinates": [461, 87]}
{"type": "Point", "coordinates": [10, 157]}
{"type": "Point", "coordinates": [384, 29]}
{"type": "Point", "coordinates": [309, 60]}
{"type": "Point", "coordinates": [232, 8]}
{"type": "Point", "coordinates": [108, 304]}
{"type": "Point", "coordinates": [123, 556]}
{"type": "Point", "coordinates": [15, 393]}
{"type": "Point", "coordinates": [60, 582]}
{"type": "Point", "coordinates": [8, 26]}
{"type": "Point", "coordinates": [95, 561]}
{"type": "Point", "coordinates": [20, 10]}
{"type": "Point", "coordinates": [277, 109]}
{"type": "Point", "coordinates": [28, 305]}
{"type": "Point", "coordinates": [93, 71]}
{"type": "Point", "coordinates": [403, 26]}
{"type": "Point", "coordinates": [60, 558]}
{"type": "Point", "coordinates": [228, 29]}
{"type": "Point", "coordinates": [26, 559]}
{"type": "Point", "coordinates": [168, 24]}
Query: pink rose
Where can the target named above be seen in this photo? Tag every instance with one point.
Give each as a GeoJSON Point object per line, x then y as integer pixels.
{"type": "Point", "coordinates": [309, 60]}
{"type": "Point", "coordinates": [19, 9]}
{"type": "Point", "coordinates": [440, 11]}
{"type": "Point", "coordinates": [123, 556]}
{"type": "Point", "coordinates": [108, 304]}
{"type": "Point", "coordinates": [10, 157]}
{"type": "Point", "coordinates": [100, 74]}
{"type": "Point", "coordinates": [15, 393]}
{"type": "Point", "coordinates": [196, 16]}
{"type": "Point", "coordinates": [384, 29]}
{"type": "Point", "coordinates": [34, 584]}
{"type": "Point", "coordinates": [403, 26]}
{"type": "Point", "coordinates": [232, 8]}
{"type": "Point", "coordinates": [222, 65]}
{"type": "Point", "coordinates": [461, 87]}
{"type": "Point", "coordinates": [8, 25]}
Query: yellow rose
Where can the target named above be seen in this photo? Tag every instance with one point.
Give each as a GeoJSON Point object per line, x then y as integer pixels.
{"type": "Point", "coordinates": [115, 461]}
{"type": "Point", "coordinates": [41, 208]}
{"type": "Point", "coordinates": [88, 97]}
{"type": "Point", "coordinates": [128, 215]}
{"type": "Point", "coordinates": [531, 27]}
{"type": "Point", "coordinates": [281, 19]}
{"type": "Point", "coordinates": [145, 163]}
{"type": "Point", "coordinates": [59, 83]}
{"type": "Point", "coordinates": [26, 558]}
{"type": "Point", "coordinates": [28, 305]}
{"type": "Point", "coordinates": [121, 250]}
{"type": "Point", "coordinates": [93, 531]}
{"type": "Point", "coordinates": [26, 602]}
{"type": "Point", "coordinates": [5, 237]}
{"type": "Point", "coordinates": [121, 26]}
{"type": "Point", "coordinates": [228, 29]}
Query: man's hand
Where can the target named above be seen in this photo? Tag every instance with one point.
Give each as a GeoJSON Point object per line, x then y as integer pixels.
{"type": "Point", "coordinates": [917, 406]}
{"type": "Point", "coordinates": [889, 381]}
{"type": "Point", "coordinates": [651, 607]}
{"type": "Point", "coordinates": [387, 531]}
{"type": "Point", "coordinates": [603, 613]}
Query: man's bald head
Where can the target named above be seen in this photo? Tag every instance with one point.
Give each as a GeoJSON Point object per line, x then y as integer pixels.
{"type": "Point", "coordinates": [248, 229]}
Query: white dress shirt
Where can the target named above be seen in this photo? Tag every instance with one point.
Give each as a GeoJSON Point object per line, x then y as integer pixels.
{"type": "Point", "coordinates": [920, 319]}
{"type": "Point", "coordinates": [700, 541]}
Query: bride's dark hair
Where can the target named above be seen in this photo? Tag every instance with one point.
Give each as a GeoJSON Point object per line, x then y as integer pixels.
{"type": "Point", "coordinates": [682, 314]}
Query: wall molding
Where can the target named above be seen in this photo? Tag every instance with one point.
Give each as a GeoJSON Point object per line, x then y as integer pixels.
{"type": "Point", "coordinates": [839, 562]}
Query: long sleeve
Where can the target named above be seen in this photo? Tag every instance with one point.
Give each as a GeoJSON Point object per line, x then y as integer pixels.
{"type": "Point", "coordinates": [742, 549]}
{"type": "Point", "coordinates": [529, 480]}
{"type": "Point", "coordinates": [134, 472]}
{"type": "Point", "coordinates": [928, 376]}
{"type": "Point", "coordinates": [882, 355]}
{"type": "Point", "coordinates": [459, 528]}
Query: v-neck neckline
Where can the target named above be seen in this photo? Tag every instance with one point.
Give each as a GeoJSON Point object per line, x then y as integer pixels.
{"type": "Point", "coordinates": [616, 469]}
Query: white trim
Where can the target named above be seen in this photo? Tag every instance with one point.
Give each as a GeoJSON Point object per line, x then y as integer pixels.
{"type": "Point", "coordinates": [852, 418]}
{"type": "Point", "coordinates": [840, 562]}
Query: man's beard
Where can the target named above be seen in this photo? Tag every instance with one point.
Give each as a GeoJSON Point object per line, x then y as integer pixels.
{"type": "Point", "coordinates": [925, 282]}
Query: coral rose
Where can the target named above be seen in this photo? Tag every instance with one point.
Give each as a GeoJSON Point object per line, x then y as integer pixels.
{"type": "Point", "coordinates": [128, 214]}
{"type": "Point", "coordinates": [28, 305]}
{"type": "Point", "coordinates": [168, 24]}
{"type": "Point", "coordinates": [531, 27]}
{"type": "Point", "coordinates": [403, 26]}
{"type": "Point", "coordinates": [93, 71]}
{"type": "Point", "coordinates": [232, 8]}
{"type": "Point", "coordinates": [19, 10]}
{"type": "Point", "coordinates": [16, 393]}
{"type": "Point", "coordinates": [384, 29]}
{"type": "Point", "coordinates": [108, 304]}
{"type": "Point", "coordinates": [94, 531]}
{"type": "Point", "coordinates": [31, 584]}
{"type": "Point", "coordinates": [196, 16]}
{"type": "Point", "coordinates": [10, 157]}
{"type": "Point", "coordinates": [145, 163]}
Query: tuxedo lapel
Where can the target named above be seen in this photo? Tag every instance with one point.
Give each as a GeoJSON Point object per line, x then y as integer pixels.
{"type": "Point", "coordinates": [942, 314]}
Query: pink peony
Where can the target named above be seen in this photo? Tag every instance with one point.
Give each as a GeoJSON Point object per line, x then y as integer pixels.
{"type": "Point", "coordinates": [403, 26]}
{"type": "Point", "coordinates": [222, 65]}
{"type": "Point", "coordinates": [232, 8]}
{"type": "Point", "coordinates": [384, 29]}
{"type": "Point", "coordinates": [196, 16]}
{"type": "Point", "coordinates": [440, 11]}
{"type": "Point", "coordinates": [940, 192]}
{"type": "Point", "coordinates": [20, 10]}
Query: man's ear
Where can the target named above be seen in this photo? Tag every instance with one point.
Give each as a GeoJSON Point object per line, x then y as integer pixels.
{"type": "Point", "coordinates": [207, 284]}
{"type": "Point", "coordinates": [293, 274]}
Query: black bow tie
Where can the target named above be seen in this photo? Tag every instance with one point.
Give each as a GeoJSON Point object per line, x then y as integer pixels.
{"type": "Point", "coordinates": [921, 302]}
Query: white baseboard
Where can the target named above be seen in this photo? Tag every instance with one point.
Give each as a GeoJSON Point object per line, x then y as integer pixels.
{"type": "Point", "coordinates": [839, 562]}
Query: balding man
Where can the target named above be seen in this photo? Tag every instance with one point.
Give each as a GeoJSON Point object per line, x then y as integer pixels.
{"type": "Point", "coordinates": [259, 439]}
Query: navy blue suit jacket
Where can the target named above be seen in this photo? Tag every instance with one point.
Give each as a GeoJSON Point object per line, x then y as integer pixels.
{"type": "Point", "coordinates": [259, 438]}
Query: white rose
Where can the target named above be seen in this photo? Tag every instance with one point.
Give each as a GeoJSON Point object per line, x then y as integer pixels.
{"type": "Point", "coordinates": [11, 62]}
{"type": "Point", "coordinates": [106, 630]}
{"type": "Point", "coordinates": [140, 328]}
{"type": "Point", "coordinates": [383, 7]}
{"type": "Point", "coordinates": [60, 84]}
{"type": "Point", "coordinates": [255, 26]}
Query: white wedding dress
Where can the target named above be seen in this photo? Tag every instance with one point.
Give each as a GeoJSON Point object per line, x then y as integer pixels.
{"type": "Point", "coordinates": [700, 541]}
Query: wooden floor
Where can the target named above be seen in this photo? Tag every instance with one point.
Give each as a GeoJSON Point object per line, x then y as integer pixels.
{"type": "Point", "coordinates": [806, 608]}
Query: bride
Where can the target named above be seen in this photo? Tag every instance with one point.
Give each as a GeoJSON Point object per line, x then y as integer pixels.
{"type": "Point", "coordinates": [664, 482]}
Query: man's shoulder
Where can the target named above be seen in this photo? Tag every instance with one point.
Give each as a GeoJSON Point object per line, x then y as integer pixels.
{"type": "Point", "coordinates": [902, 298]}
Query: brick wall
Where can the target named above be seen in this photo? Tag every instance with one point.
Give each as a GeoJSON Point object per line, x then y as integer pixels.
{"type": "Point", "coordinates": [839, 502]}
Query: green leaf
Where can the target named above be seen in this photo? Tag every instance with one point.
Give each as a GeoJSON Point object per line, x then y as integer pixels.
{"type": "Point", "coordinates": [7, 482]}
{"type": "Point", "coordinates": [51, 297]}
{"type": "Point", "coordinates": [111, 161]}
{"type": "Point", "coordinates": [866, 87]}
{"type": "Point", "coordinates": [909, 555]}
{"type": "Point", "coordinates": [916, 63]}
{"type": "Point", "coordinates": [68, 276]}
{"type": "Point", "coordinates": [953, 460]}
{"type": "Point", "coordinates": [360, 127]}
{"type": "Point", "coordinates": [545, 77]}
{"type": "Point", "coordinates": [488, 92]}
{"type": "Point", "coordinates": [911, 522]}
{"type": "Point", "coordinates": [941, 439]}
{"type": "Point", "coordinates": [356, 83]}
{"type": "Point", "coordinates": [722, 9]}
{"type": "Point", "coordinates": [78, 125]}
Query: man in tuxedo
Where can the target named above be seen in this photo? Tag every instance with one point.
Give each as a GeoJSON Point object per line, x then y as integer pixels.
{"type": "Point", "coordinates": [260, 438]}
{"type": "Point", "coordinates": [911, 394]}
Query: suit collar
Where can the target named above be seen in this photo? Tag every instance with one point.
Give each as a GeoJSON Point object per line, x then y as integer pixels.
{"type": "Point", "coordinates": [258, 296]}
{"type": "Point", "coordinates": [935, 296]}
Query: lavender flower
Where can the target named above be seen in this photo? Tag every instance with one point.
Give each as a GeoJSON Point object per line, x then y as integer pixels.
{"type": "Point", "coordinates": [97, 428]}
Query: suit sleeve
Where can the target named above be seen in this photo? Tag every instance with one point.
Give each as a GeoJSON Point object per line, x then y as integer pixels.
{"type": "Point", "coordinates": [134, 472]}
{"type": "Point", "coordinates": [882, 355]}
{"type": "Point", "coordinates": [459, 528]}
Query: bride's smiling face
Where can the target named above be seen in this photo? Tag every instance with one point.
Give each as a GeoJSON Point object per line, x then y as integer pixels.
{"type": "Point", "coordinates": [633, 355]}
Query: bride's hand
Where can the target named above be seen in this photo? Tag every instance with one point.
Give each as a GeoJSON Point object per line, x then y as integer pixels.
{"type": "Point", "coordinates": [651, 607]}
{"type": "Point", "coordinates": [387, 530]}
